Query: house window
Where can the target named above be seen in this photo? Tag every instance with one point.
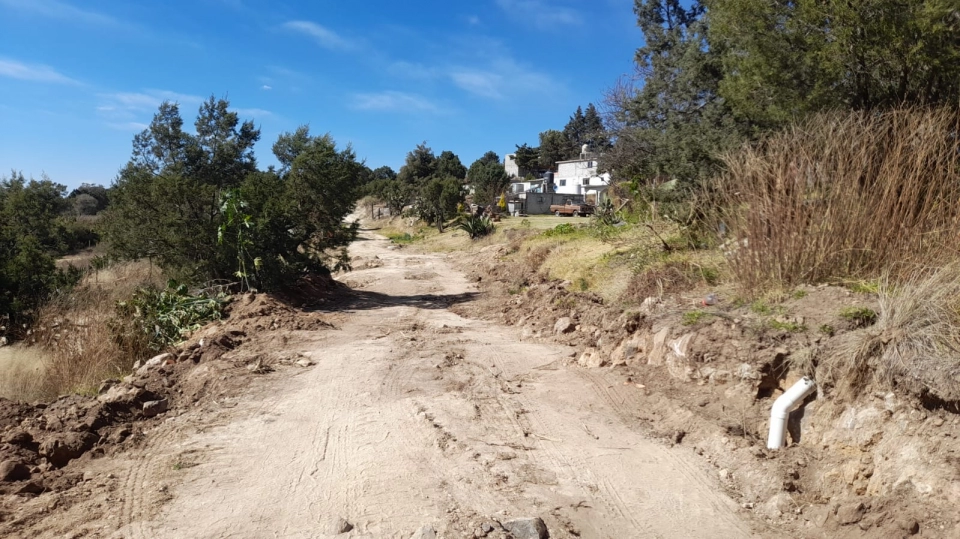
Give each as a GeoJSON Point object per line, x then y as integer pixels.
{"type": "Point", "coordinates": [563, 183]}
{"type": "Point", "coordinates": [586, 181]}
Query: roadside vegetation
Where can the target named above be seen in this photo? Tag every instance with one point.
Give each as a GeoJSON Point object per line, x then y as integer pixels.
{"type": "Point", "coordinates": [821, 150]}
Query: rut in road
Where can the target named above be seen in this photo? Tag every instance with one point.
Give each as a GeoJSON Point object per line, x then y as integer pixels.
{"type": "Point", "coordinates": [415, 416]}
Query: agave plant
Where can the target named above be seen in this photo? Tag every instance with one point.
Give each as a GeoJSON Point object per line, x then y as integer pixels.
{"type": "Point", "coordinates": [476, 227]}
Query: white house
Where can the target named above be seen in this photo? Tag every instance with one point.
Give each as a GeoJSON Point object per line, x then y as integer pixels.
{"type": "Point", "coordinates": [579, 177]}
{"type": "Point", "coordinates": [510, 165]}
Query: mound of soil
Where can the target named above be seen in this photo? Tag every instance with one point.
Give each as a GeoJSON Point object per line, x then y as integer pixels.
{"type": "Point", "coordinates": [882, 464]}
{"type": "Point", "coordinates": [44, 446]}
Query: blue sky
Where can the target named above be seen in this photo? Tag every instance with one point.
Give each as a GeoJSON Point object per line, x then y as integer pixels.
{"type": "Point", "coordinates": [79, 78]}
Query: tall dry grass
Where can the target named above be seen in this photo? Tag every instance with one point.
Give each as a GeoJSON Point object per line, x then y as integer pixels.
{"type": "Point", "coordinates": [915, 344]}
{"type": "Point", "coordinates": [21, 372]}
{"type": "Point", "coordinates": [74, 335]}
{"type": "Point", "coordinates": [849, 195]}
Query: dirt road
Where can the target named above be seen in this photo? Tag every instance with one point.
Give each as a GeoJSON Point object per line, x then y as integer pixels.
{"type": "Point", "coordinates": [414, 416]}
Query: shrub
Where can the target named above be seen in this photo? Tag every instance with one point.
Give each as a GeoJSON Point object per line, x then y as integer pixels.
{"type": "Point", "coordinates": [844, 196]}
{"type": "Point", "coordinates": [163, 318]}
{"type": "Point", "coordinates": [560, 230]}
{"type": "Point", "coordinates": [476, 227]}
{"type": "Point", "coordinates": [860, 316]}
{"type": "Point", "coordinates": [915, 343]}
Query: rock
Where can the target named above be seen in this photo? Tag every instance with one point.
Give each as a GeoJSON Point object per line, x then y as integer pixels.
{"type": "Point", "coordinates": [121, 393]}
{"type": "Point", "coordinates": [106, 385]}
{"type": "Point", "coordinates": [591, 359]}
{"type": "Point", "coordinates": [909, 525]}
{"type": "Point", "coordinates": [155, 408]}
{"type": "Point", "coordinates": [659, 347]}
{"type": "Point", "coordinates": [776, 506]}
{"type": "Point", "coordinates": [425, 532]}
{"type": "Point", "coordinates": [18, 437]}
{"type": "Point", "coordinates": [564, 325]}
{"type": "Point", "coordinates": [746, 371]}
{"type": "Point", "coordinates": [340, 526]}
{"type": "Point", "coordinates": [628, 350]}
{"type": "Point", "coordinates": [724, 474]}
{"type": "Point", "coordinates": [153, 363]}
{"type": "Point", "coordinates": [13, 471]}
{"type": "Point", "coordinates": [304, 362]}
{"type": "Point", "coordinates": [850, 513]}
{"type": "Point", "coordinates": [33, 487]}
{"type": "Point", "coordinates": [817, 514]}
{"type": "Point", "coordinates": [649, 304]}
{"type": "Point", "coordinates": [527, 528]}
{"type": "Point", "coordinates": [681, 347]}
{"type": "Point", "coordinates": [62, 448]}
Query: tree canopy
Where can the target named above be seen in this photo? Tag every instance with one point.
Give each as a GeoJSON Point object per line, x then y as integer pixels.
{"type": "Point", "coordinates": [181, 194]}
{"type": "Point", "coordinates": [488, 178]}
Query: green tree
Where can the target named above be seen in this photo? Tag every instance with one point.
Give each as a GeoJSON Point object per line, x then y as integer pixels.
{"type": "Point", "coordinates": [439, 199]}
{"type": "Point", "coordinates": [419, 165]}
{"type": "Point", "coordinates": [98, 192]}
{"type": "Point", "coordinates": [448, 164]}
{"type": "Point", "coordinates": [527, 158]}
{"type": "Point", "coordinates": [488, 178]}
{"type": "Point", "coordinates": [785, 59]}
{"type": "Point", "coordinates": [553, 148]}
{"type": "Point", "coordinates": [31, 232]}
{"type": "Point", "coordinates": [676, 124]}
{"type": "Point", "coordinates": [289, 145]}
{"type": "Point", "coordinates": [167, 198]}
{"type": "Point", "coordinates": [32, 208]}
{"type": "Point", "coordinates": [384, 173]}
{"type": "Point", "coordinates": [396, 194]}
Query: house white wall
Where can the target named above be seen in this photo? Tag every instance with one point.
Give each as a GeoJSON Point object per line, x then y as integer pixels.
{"type": "Point", "coordinates": [510, 165]}
{"type": "Point", "coordinates": [579, 177]}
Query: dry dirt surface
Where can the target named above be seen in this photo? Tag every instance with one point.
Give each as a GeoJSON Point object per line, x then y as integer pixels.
{"type": "Point", "coordinates": [403, 420]}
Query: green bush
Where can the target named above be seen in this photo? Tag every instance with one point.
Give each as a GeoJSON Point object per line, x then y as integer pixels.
{"type": "Point", "coordinates": [164, 318]}
{"type": "Point", "coordinates": [476, 227]}
{"type": "Point", "coordinates": [560, 230]}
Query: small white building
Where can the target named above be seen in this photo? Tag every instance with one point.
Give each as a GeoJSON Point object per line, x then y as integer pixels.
{"type": "Point", "coordinates": [579, 177]}
{"type": "Point", "coordinates": [511, 166]}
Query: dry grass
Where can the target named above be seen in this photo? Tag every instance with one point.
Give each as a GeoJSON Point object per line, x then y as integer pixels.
{"type": "Point", "coordinates": [21, 373]}
{"type": "Point", "coordinates": [74, 338]}
{"type": "Point", "coordinates": [915, 344]}
{"type": "Point", "coordinates": [845, 196]}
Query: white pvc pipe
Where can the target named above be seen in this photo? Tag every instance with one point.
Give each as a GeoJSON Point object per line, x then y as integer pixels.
{"type": "Point", "coordinates": [782, 408]}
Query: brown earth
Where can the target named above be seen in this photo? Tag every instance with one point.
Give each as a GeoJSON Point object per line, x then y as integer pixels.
{"type": "Point", "coordinates": [880, 464]}
{"type": "Point", "coordinates": [427, 397]}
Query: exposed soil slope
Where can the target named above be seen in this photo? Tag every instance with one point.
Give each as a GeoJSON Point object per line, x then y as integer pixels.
{"type": "Point", "coordinates": [404, 416]}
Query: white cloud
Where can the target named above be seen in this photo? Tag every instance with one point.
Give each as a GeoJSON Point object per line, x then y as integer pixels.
{"type": "Point", "coordinates": [473, 20]}
{"type": "Point", "coordinates": [266, 87]}
{"type": "Point", "coordinates": [323, 36]}
{"type": "Point", "coordinates": [502, 78]}
{"type": "Point", "coordinates": [254, 113]}
{"type": "Point", "coordinates": [59, 10]}
{"type": "Point", "coordinates": [128, 111]}
{"type": "Point", "coordinates": [392, 101]}
{"type": "Point", "coordinates": [147, 100]}
{"type": "Point", "coordinates": [481, 83]}
{"type": "Point", "coordinates": [36, 73]}
{"type": "Point", "coordinates": [542, 13]}
{"type": "Point", "coordinates": [413, 70]}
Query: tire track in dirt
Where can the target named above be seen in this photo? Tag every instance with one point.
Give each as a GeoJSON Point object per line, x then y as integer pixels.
{"type": "Point", "coordinates": [413, 415]}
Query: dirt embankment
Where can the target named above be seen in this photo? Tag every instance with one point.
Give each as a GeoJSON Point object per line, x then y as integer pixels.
{"type": "Point", "coordinates": [47, 450]}
{"type": "Point", "coordinates": [877, 464]}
